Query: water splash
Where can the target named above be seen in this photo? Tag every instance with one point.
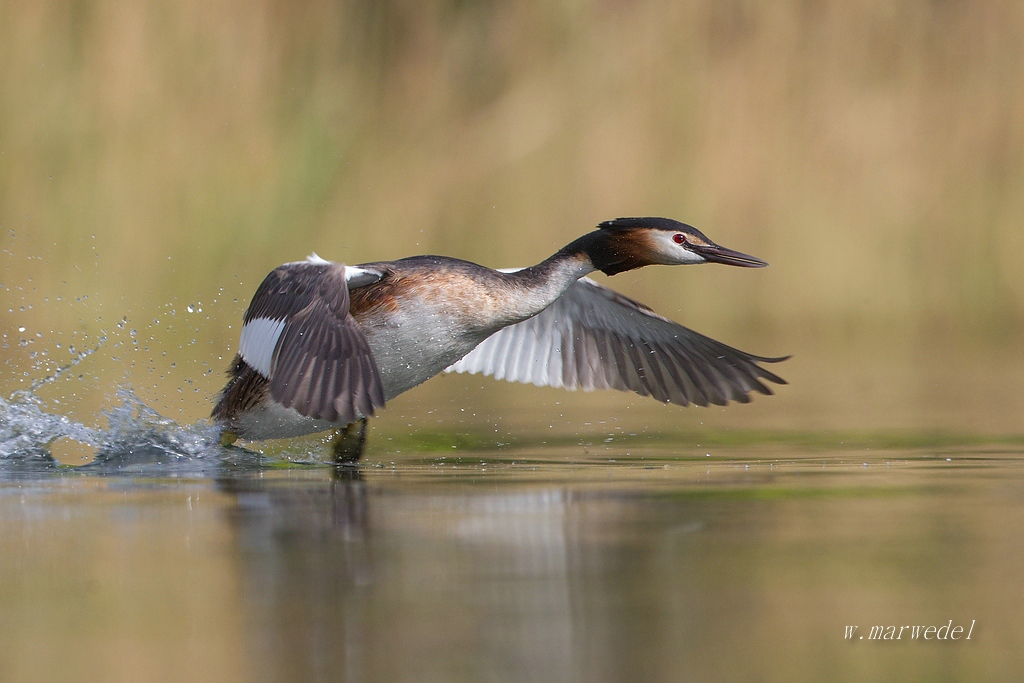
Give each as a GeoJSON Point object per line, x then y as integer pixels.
{"type": "Point", "coordinates": [26, 429]}
{"type": "Point", "coordinates": [78, 357]}
{"type": "Point", "coordinates": [137, 440]}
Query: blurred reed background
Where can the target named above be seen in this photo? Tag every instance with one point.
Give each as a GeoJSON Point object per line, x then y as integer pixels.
{"type": "Point", "coordinates": [165, 155]}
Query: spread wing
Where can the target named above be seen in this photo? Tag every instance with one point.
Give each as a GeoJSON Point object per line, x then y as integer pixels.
{"type": "Point", "coordinates": [298, 333]}
{"type": "Point", "coordinates": [594, 338]}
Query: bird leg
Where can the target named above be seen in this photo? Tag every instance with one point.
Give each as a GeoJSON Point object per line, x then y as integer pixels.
{"type": "Point", "coordinates": [347, 445]}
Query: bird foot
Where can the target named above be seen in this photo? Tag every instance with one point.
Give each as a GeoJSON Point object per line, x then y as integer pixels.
{"type": "Point", "coordinates": [349, 442]}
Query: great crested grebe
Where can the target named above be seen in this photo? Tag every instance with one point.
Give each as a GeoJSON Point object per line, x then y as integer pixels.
{"type": "Point", "coordinates": [324, 345]}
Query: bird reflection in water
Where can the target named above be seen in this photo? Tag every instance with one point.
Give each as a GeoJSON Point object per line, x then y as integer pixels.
{"type": "Point", "coordinates": [304, 546]}
{"type": "Point", "coordinates": [349, 580]}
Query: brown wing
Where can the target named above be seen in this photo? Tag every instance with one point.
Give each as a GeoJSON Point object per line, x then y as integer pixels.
{"type": "Point", "coordinates": [320, 363]}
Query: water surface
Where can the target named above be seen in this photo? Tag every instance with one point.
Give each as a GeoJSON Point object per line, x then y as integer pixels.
{"type": "Point", "coordinates": [536, 562]}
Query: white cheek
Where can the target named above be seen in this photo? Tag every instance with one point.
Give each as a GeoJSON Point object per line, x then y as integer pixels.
{"type": "Point", "coordinates": [686, 256]}
{"type": "Point", "coordinates": [675, 254]}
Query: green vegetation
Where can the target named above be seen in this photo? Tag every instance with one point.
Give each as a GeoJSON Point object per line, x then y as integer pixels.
{"type": "Point", "coordinates": [441, 442]}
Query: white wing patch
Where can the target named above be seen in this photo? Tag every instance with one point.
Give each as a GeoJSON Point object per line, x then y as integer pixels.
{"type": "Point", "coordinates": [259, 339]}
{"type": "Point", "coordinates": [594, 338]}
{"type": "Point", "coordinates": [530, 352]}
{"type": "Point", "coordinates": [360, 277]}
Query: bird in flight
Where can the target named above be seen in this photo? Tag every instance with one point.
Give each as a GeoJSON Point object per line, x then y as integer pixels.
{"type": "Point", "coordinates": [325, 345]}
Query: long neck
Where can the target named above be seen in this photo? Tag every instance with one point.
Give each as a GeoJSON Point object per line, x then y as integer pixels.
{"type": "Point", "coordinates": [537, 287]}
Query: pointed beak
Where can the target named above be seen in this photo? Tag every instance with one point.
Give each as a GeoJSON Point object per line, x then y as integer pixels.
{"type": "Point", "coordinates": [716, 254]}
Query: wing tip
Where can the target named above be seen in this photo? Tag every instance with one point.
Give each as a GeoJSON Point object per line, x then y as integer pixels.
{"type": "Point", "coordinates": [770, 359]}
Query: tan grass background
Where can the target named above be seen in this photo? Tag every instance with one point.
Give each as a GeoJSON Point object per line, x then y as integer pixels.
{"type": "Point", "coordinates": [165, 154]}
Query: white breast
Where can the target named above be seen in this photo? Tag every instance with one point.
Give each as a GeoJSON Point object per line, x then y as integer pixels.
{"type": "Point", "coordinates": [416, 343]}
{"type": "Point", "coordinates": [273, 421]}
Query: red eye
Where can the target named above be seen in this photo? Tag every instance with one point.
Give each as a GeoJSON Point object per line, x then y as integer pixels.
{"type": "Point", "coordinates": [679, 238]}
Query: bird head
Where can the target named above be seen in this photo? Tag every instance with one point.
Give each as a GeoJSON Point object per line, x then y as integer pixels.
{"type": "Point", "coordinates": [627, 243]}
